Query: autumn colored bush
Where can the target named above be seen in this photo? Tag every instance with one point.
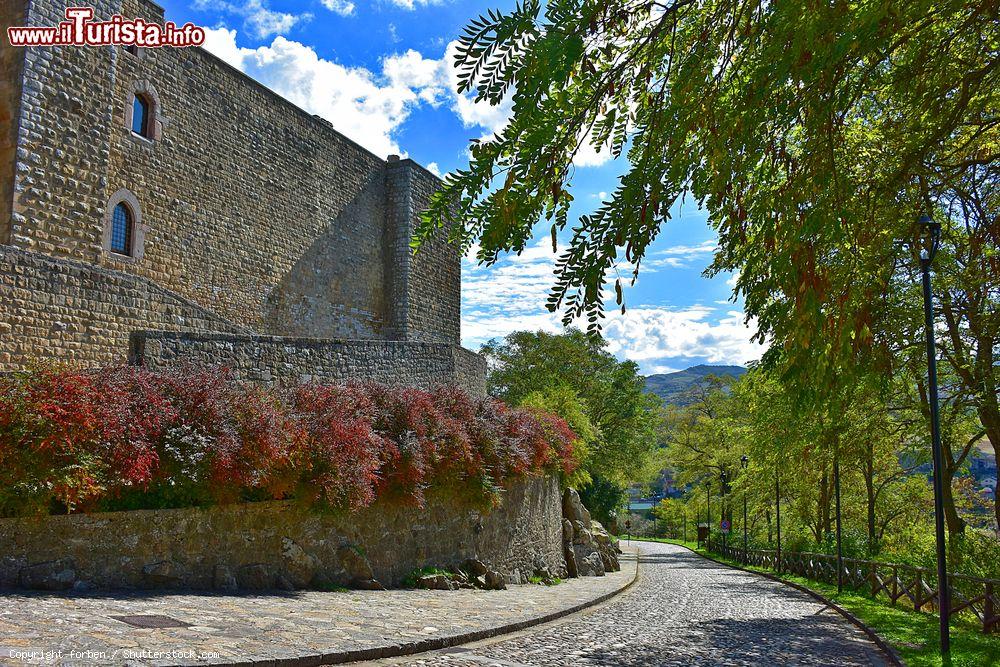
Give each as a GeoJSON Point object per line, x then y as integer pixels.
{"type": "Point", "coordinates": [126, 438]}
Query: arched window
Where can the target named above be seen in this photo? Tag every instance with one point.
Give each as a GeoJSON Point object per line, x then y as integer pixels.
{"type": "Point", "coordinates": [122, 223]}
{"type": "Point", "coordinates": [141, 116]}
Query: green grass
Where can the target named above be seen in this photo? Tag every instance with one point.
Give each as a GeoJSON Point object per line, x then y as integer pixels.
{"type": "Point", "coordinates": [914, 635]}
{"type": "Point", "coordinates": [410, 581]}
{"type": "Point", "coordinates": [333, 588]}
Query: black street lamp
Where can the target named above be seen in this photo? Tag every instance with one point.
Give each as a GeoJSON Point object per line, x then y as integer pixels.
{"type": "Point", "coordinates": [931, 233]}
{"type": "Point", "coordinates": [744, 460]}
{"type": "Point", "coordinates": [708, 493]}
{"type": "Point", "coordinates": [840, 551]}
{"type": "Point", "coordinates": [628, 519]}
{"type": "Point", "coordinates": [777, 514]}
{"type": "Point", "coordinates": [722, 492]}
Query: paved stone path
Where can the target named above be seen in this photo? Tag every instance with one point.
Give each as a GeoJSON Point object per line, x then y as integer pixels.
{"type": "Point", "coordinates": [78, 629]}
{"type": "Point", "coordinates": [684, 610]}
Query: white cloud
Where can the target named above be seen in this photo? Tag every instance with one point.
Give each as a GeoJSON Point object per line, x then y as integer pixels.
{"type": "Point", "coordinates": [510, 296]}
{"type": "Point", "coordinates": [492, 119]}
{"type": "Point", "coordinates": [657, 370]}
{"type": "Point", "coordinates": [425, 75]}
{"type": "Point", "coordinates": [681, 255]}
{"type": "Point", "coordinates": [342, 7]}
{"type": "Point", "coordinates": [365, 106]}
{"type": "Point", "coordinates": [258, 18]}
{"type": "Point", "coordinates": [588, 156]}
{"type": "Point", "coordinates": [413, 4]}
{"type": "Point", "coordinates": [434, 168]}
{"type": "Point", "coordinates": [222, 43]}
{"type": "Point", "coordinates": [648, 334]}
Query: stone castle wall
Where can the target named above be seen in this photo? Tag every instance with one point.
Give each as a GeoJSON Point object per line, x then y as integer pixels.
{"type": "Point", "coordinates": [281, 545]}
{"type": "Point", "coordinates": [11, 63]}
{"type": "Point", "coordinates": [69, 311]}
{"type": "Point", "coordinates": [283, 361]}
{"type": "Point", "coordinates": [250, 207]}
{"type": "Point", "coordinates": [429, 313]}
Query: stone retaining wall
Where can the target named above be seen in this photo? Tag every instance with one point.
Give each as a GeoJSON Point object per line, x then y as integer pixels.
{"type": "Point", "coordinates": [288, 361]}
{"type": "Point", "coordinates": [65, 310]}
{"type": "Point", "coordinates": [281, 545]}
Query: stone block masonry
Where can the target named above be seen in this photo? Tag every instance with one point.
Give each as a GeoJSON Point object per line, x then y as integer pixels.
{"type": "Point", "coordinates": [68, 311]}
{"type": "Point", "coordinates": [249, 215]}
{"type": "Point", "coordinates": [11, 64]}
{"type": "Point", "coordinates": [281, 545]}
{"type": "Point", "coordinates": [250, 206]}
{"type": "Point", "coordinates": [283, 361]}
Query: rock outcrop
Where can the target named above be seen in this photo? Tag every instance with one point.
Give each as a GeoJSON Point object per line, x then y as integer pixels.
{"type": "Point", "coordinates": [588, 548]}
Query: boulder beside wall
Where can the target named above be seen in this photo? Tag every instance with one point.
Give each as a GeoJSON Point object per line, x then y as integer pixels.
{"type": "Point", "coordinates": [587, 546]}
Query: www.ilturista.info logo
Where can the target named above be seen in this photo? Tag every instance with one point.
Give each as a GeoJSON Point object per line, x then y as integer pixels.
{"type": "Point", "coordinates": [80, 30]}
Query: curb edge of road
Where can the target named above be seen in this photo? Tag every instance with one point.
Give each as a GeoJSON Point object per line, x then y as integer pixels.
{"type": "Point", "coordinates": [884, 646]}
{"type": "Point", "coordinates": [436, 643]}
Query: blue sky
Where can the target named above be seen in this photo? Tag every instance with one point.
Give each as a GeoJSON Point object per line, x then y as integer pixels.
{"type": "Point", "coordinates": [379, 71]}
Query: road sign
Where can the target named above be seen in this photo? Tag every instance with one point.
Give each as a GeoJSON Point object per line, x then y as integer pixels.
{"type": "Point", "coordinates": [724, 526]}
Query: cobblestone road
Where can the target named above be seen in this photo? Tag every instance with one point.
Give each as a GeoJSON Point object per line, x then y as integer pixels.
{"type": "Point", "coordinates": [684, 610]}
{"type": "Point", "coordinates": [82, 630]}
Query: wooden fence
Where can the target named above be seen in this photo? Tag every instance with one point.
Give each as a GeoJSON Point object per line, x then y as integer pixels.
{"type": "Point", "coordinates": [916, 587]}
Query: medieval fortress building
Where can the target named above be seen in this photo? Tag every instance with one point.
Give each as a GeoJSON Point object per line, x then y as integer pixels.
{"type": "Point", "coordinates": [157, 205]}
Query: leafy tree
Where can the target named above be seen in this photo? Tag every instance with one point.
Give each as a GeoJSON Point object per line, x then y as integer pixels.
{"type": "Point", "coordinates": [563, 401]}
{"type": "Point", "coordinates": [968, 284]}
{"type": "Point", "coordinates": [611, 392]}
{"type": "Point", "coordinates": [883, 491]}
{"type": "Point", "coordinates": [701, 437]}
{"type": "Point", "coordinates": [790, 122]}
{"type": "Point", "coordinates": [574, 375]}
{"type": "Point", "coordinates": [605, 499]}
{"type": "Point", "coordinates": [812, 133]}
{"type": "Point", "coordinates": [674, 518]}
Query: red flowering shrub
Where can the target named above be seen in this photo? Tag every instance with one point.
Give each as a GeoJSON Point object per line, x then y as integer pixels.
{"type": "Point", "coordinates": [339, 455]}
{"type": "Point", "coordinates": [126, 438]}
{"type": "Point", "coordinates": [133, 415]}
{"type": "Point", "coordinates": [47, 442]}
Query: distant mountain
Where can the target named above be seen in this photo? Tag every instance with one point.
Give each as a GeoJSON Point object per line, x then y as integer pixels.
{"type": "Point", "coordinates": [671, 386]}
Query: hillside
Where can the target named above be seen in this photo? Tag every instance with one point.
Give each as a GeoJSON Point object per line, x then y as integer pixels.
{"type": "Point", "coordinates": [671, 386]}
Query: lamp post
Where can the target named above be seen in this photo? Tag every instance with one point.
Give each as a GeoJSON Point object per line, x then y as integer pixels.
{"type": "Point", "coordinates": [931, 234]}
{"type": "Point", "coordinates": [708, 493]}
{"type": "Point", "coordinates": [628, 519]}
{"type": "Point", "coordinates": [744, 460]}
{"type": "Point", "coordinates": [840, 552]}
{"type": "Point", "coordinates": [722, 491]}
{"type": "Point", "coordinates": [777, 514]}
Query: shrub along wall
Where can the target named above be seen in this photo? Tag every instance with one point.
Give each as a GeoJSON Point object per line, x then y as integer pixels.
{"type": "Point", "coordinates": [127, 438]}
